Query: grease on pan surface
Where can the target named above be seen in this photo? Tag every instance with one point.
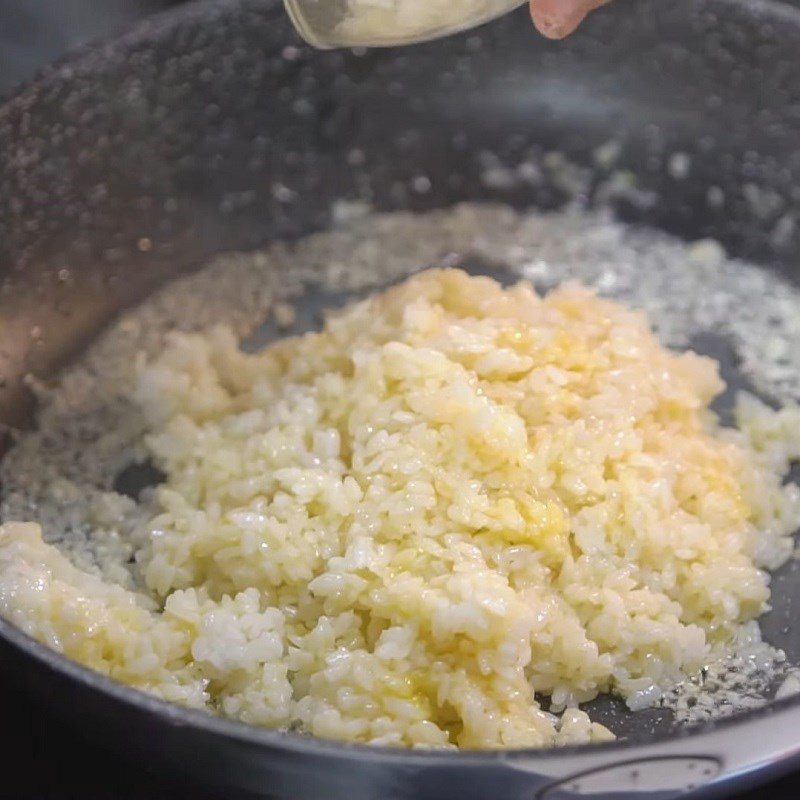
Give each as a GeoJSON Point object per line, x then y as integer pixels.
{"type": "Point", "coordinates": [400, 529]}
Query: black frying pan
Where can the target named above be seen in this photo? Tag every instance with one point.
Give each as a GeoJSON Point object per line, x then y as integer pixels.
{"type": "Point", "coordinates": [151, 136]}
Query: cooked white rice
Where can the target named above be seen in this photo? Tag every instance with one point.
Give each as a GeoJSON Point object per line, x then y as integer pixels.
{"type": "Point", "coordinates": [374, 21]}
{"type": "Point", "coordinates": [398, 530]}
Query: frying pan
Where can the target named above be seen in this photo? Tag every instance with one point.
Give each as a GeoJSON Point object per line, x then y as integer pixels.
{"type": "Point", "coordinates": [176, 133]}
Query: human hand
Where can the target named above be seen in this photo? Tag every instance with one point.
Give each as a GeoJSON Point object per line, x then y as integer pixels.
{"type": "Point", "coordinates": [558, 18]}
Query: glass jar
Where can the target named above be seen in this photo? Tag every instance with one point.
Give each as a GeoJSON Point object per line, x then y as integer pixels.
{"type": "Point", "coordinates": [383, 23]}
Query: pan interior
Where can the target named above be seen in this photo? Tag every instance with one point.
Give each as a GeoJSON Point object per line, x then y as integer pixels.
{"type": "Point", "coordinates": [86, 458]}
{"type": "Point", "coordinates": [233, 139]}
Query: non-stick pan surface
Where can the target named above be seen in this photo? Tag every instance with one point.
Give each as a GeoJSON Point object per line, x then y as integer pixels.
{"type": "Point", "coordinates": [177, 133]}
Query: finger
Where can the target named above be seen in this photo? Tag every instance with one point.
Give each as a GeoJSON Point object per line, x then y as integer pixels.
{"type": "Point", "coordinates": [558, 18]}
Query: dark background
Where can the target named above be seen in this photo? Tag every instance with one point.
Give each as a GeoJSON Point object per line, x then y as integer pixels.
{"type": "Point", "coordinates": [44, 760]}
